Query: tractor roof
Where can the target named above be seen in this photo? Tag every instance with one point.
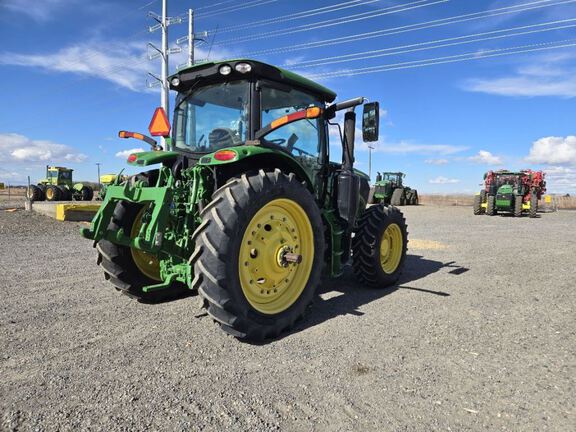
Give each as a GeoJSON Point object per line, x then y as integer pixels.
{"type": "Point", "coordinates": [209, 72]}
{"type": "Point", "coordinates": [56, 168]}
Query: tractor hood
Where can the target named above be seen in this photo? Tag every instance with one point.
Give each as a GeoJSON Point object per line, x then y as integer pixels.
{"type": "Point", "coordinates": [505, 189]}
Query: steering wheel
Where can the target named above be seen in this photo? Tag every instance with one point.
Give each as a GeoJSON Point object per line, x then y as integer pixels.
{"type": "Point", "coordinates": [277, 141]}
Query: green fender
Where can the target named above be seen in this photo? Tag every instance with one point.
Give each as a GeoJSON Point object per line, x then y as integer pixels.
{"type": "Point", "coordinates": [250, 156]}
{"type": "Point", "coordinates": [238, 155]}
{"type": "Point", "coordinates": [151, 157]}
{"type": "Point", "coordinates": [78, 186]}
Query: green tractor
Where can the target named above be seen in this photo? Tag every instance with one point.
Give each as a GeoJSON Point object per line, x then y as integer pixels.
{"type": "Point", "coordinates": [244, 205]}
{"type": "Point", "coordinates": [58, 186]}
{"type": "Point", "coordinates": [510, 192]}
{"type": "Point", "coordinates": [389, 189]}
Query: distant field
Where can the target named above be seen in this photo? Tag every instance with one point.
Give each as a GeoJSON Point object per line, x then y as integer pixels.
{"type": "Point", "coordinates": [12, 193]}
{"type": "Point", "coordinates": [560, 202]}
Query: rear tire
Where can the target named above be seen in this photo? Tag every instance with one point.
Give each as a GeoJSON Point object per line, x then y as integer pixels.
{"type": "Point", "coordinates": [415, 198]}
{"type": "Point", "coordinates": [86, 193]}
{"type": "Point", "coordinates": [397, 197]}
{"type": "Point", "coordinates": [65, 193]}
{"type": "Point", "coordinates": [223, 272]}
{"type": "Point", "coordinates": [379, 246]}
{"type": "Point", "coordinates": [491, 205]}
{"type": "Point", "coordinates": [118, 263]}
{"type": "Point", "coordinates": [53, 193]}
{"type": "Point", "coordinates": [34, 193]}
{"type": "Point", "coordinates": [518, 205]}
{"type": "Point", "coordinates": [533, 205]}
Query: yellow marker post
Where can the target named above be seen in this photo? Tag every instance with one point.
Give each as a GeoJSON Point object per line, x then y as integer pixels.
{"type": "Point", "coordinates": [548, 199]}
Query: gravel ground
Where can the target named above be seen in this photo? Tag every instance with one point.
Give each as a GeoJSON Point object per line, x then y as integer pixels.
{"type": "Point", "coordinates": [479, 335]}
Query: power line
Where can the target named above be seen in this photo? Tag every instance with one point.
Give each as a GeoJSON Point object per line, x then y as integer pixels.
{"type": "Point", "coordinates": [422, 45]}
{"type": "Point", "coordinates": [298, 15]}
{"type": "Point", "coordinates": [411, 27]}
{"type": "Point", "coordinates": [335, 22]}
{"type": "Point", "coordinates": [213, 5]}
{"type": "Point", "coordinates": [475, 55]}
{"type": "Point", "coordinates": [246, 5]}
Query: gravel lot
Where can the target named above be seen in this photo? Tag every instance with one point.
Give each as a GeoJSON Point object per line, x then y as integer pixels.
{"type": "Point", "coordinates": [479, 335]}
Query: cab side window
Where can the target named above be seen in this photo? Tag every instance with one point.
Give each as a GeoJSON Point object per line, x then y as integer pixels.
{"type": "Point", "coordinates": [301, 138]}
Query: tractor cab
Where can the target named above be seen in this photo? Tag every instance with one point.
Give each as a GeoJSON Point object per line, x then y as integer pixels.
{"type": "Point", "coordinates": [58, 176]}
{"type": "Point", "coordinates": [395, 178]}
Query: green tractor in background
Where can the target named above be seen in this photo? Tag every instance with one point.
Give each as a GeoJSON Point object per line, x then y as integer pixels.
{"type": "Point", "coordinates": [244, 205]}
{"type": "Point", "coordinates": [389, 189]}
{"type": "Point", "coordinates": [108, 180]}
{"type": "Point", "coordinates": [510, 192]}
{"type": "Point", "coordinates": [58, 186]}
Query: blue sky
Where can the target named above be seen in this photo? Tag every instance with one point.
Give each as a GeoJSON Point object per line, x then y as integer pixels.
{"type": "Point", "coordinates": [464, 86]}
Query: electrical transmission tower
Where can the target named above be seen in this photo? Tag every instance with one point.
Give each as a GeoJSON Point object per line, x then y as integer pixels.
{"type": "Point", "coordinates": [163, 22]}
{"type": "Point", "coordinates": [191, 38]}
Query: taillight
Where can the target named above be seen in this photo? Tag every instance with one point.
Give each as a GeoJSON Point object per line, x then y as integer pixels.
{"type": "Point", "coordinates": [225, 155]}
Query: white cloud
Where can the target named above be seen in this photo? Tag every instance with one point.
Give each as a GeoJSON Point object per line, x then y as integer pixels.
{"type": "Point", "coordinates": [124, 64]}
{"type": "Point", "coordinates": [485, 157]}
{"type": "Point", "coordinates": [121, 63]}
{"type": "Point", "coordinates": [443, 180]}
{"type": "Point", "coordinates": [436, 161]}
{"type": "Point", "coordinates": [19, 148]}
{"type": "Point", "coordinates": [545, 76]}
{"type": "Point", "coordinates": [553, 150]}
{"type": "Point", "coordinates": [125, 153]}
{"type": "Point", "coordinates": [560, 179]}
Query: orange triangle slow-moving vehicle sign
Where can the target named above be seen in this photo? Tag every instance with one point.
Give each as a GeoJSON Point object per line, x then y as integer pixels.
{"type": "Point", "coordinates": [159, 125]}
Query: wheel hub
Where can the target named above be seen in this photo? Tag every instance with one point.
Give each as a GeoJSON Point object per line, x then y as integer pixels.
{"type": "Point", "coordinates": [391, 247]}
{"type": "Point", "coordinates": [276, 255]}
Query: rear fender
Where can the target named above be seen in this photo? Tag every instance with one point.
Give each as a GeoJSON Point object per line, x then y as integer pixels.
{"type": "Point", "coordinates": [250, 158]}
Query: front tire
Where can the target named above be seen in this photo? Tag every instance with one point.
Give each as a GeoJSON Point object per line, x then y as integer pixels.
{"type": "Point", "coordinates": [491, 205]}
{"type": "Point", "coordinates": [53, 193]}
{"type": "Point", "coordinates": [518, 205]}
{"type": "Point", "coordinates": [379, 246]}
{"type": "Point", "coordinates": [130, 270]}
{"type": "Point", "coordinates": [397, 197]}
{"type": "Point", "coordinates": [477, 205]}
{"type": "Point", "coordinates": [248, 229]}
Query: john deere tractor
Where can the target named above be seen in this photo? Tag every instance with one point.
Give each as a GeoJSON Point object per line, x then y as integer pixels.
{"type": "Point", "coordinates": [389, 189]}
{"type": "Point", "coordinates": [243, 205]}
{"type": "Point", "coordinates": [58, 186]}
{"type": "Point", "coordinates": [511, 192]}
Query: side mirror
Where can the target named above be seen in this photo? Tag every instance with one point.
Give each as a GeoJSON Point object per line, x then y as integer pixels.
{"type": "Point", "coordinates": [371, 122]}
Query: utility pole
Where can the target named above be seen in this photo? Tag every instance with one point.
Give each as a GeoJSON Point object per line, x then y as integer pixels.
{"type": "Point", "coordinates": [98, 164]}
{"type": "Point", "coordinates": [163, 22]}
{"type": "Point", "coordinates": [370, 148]}
{"type": "Point", "coordinates": [191, 38]}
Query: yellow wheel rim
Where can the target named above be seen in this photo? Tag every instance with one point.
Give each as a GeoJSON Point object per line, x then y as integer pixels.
{"type": "Point", "coordinates": [270, 278]}
{"type": "Point", "coordinates": [146, 262]}
{"type": "Point", "coordinates": [49, 193]}
{"type": "Point", "coordinates": [391, 247]}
